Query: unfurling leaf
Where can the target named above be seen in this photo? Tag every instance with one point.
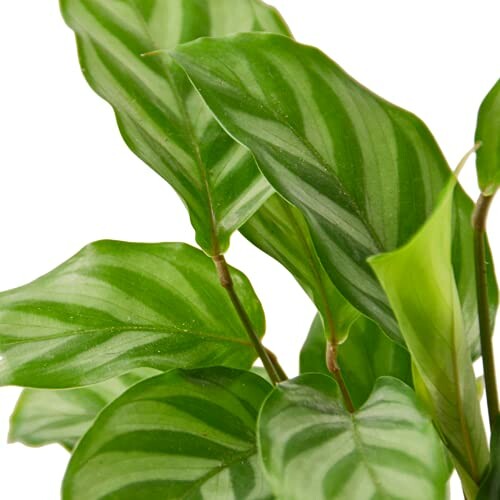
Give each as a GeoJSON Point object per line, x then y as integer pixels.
{"type": "Point", "coordinates": [365, 174]}
{"type": "Point", "coordinates": [46, 416]}
{"type": "Point", "coordinates": [185, 434]}
{"type": "Point", "coordinates": [160, 115]}
{"type": "Point", "coordinates": [118, 306]}
{"type": "Point", "coordinates": [311, 447]}
{"type": "Point", "coordinates": [419, 282]}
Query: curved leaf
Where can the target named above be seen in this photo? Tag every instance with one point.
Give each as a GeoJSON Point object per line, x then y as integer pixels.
{"type": "Point", "coordinates": [418, 279]}
{"type": "Point", "coordinates": [312, 447]}
{"type": "Point", "coordinates": [118, 306]}
{"type": "Point", "coordinates": [488, 133]}
{"type": "Point", "coordinates": [183, 434]}
{"type": "Point", "coordinates": [490, 488]}
{"type": "Point", "coordinates": [46, 416]}
{"type": "Point", "coordinates": [363, 358]}
{"type": "Point", "coordinates": [160, 116]}
{"type": "Point", "coordinates": [365, 173]}
{"type": "Point", "coordinates": [279, 229]}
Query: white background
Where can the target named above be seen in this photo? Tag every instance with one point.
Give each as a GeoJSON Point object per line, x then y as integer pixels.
{"type": "Point", "coordinates": [66, 177]}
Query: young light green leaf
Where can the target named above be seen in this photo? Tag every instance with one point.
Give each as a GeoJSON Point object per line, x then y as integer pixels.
{"type": "Point", "coordinates": [490, 488]}
{"type": "Point", "coordinates": [419, 281]}
{"type": "Point", "coordinates": [118, 306]}
{"type": "Point", "coordinates": [46, 416]}
{"type": "Point", "coordinates": [160, 116]}
{"type": "Point", "coordinates": [311, 447]}
{"type": "Point", "coordinates": [279, 229]}
{"type": "Point", "coordinates": [365, 173]}
{"type": "Point", "coordinates": [363, 358]}
{"type": "Point", "coordinates": [488, 134]}
{"type": "Point", "coordinates": [184, 434]}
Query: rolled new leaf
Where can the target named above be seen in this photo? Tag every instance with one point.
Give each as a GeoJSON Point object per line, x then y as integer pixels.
{"type": "Point", "coordinates": [365, 174]}
{"type": "Point", "coordinates": [311, 447]}
{"type": "Point", "coordinates": [117, 306]}
{"type": "Point", "coordinates": [46, 416]}
{"type": "Point", "coordinates": [185, 434]}
{"type": "Point", "coordinates": [160, 116]}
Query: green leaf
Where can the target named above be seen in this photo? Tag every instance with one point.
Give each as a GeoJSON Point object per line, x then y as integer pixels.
{"type": "Point", "coordinates": [490, 488]}
{"type": "Point", "coordinates": [419, 281]}
{"type": "Point", "coordinates": [183, 434]}
{"type": "Point", "coordinates": [365, 173]}
{"type": "Point", "coordinates": [311, 447]}
{"type": "Point", "coordinates": [488, 133]}
{"type": "Point", "coordinates": [279, 229]}
{"type": "Point", "coordinates": [160, 116]}
{"type": "Point", "coordinates": [363, 358]}
{"type": "Point", "coordinates": [118, 306]}
{"type": "Point", "coordinates": [46, 416]}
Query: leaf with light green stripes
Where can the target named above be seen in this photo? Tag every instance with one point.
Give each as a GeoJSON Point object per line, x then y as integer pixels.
{"type": "Point", "coordinates": [117, 306]}
{"type": "Point", "coordinates": [311, 447]}
{"type": "Point", "coordinates": [419, 281]}
{"type": "Point", "coordinates": [363, 358]}
{"type": "Point", "coordinates": [185, 434]}
{"type": "Point", "coordinates": [46, 416]}
{"type": "Point", "coordinates": [366, 174]}
{"type": "Point", "coordinates": [488, 134]}
{"type": "Point", "coordinates": [160, 116]}
{"type": "Point", "coordinates": [279, 229]}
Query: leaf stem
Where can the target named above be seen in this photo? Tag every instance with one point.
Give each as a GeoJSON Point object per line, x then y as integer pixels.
{"type": "Point", "coordinates": [334, 368]}
{"type": "Point", "coordinates": [479, 223]}
{"type": "Point", "coordinates": [269, 360]}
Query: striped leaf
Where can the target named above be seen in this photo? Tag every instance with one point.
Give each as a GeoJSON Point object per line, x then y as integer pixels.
{"type": "Point", "coordinates": [365, 173]}
{"type": "Point", "coordinates": [183, 434]}
{"type": "Point", "coordinates": [46, 416]}
{"type": "Point", "coordinates": [160, 116]}
{"type": "Point", "coordinates": [311, 447]}
{"type": "Point", "coordinates": [279, 229]}
{"type": "Point", "coordinates": [488, 134]}
{"type": "Point", "coordinates": [363, 358]}
{"type": "Point", "coordinates": [118, 306]}
{"type": "Point", "coordinates": [418, 279]}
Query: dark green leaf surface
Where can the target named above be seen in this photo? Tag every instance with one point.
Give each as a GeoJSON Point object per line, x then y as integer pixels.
{"type": "Point", "coordinates": [365, 173]}
{"type": "Point", "coordinates": [46, 416]}
{"type": "Point", "coordinates": [184, 434]}
{"type": "Point", "coordinates": [160, 116]}
{"type": "Point", "coordinates": [488, 133]}
{"type": "Point", "coordinates": [490, 489]}
{"type": "Point", "coordinates": [418, 279]}
{"type": "Point", "coordinates": [118, 306]}
{"type": "Point", "coordinates": [279, 229]}
{"type": "Point", "coordinates": [363, 358]}
{"type": "Point", "coordinates": [313, 448]}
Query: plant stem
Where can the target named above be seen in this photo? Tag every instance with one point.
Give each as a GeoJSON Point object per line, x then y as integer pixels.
{"type": "Point", "coordinates": [479, 223]}
{"type": "Point", "coordinates": [334, 368]}
{"type": "Point", "coordinates": [269, 360]}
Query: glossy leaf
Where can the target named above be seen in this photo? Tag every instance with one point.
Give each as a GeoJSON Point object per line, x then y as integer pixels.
{"type": "Point", "coordinates": [490, 489]}
{"type": "Point", "coordinates": [279, 229]}
{"type": "Point", "coordinates": [363, 358]}
{"type": "Point", "coordinates": [118, 306]}
{"type": "Point", "coordinates": [488, 134]}
{"type": "Point", "coordinates": [184, 434]}
{"type": "Point", "coordinates": [311, 447]}
{"type": "Point", "coordinates": [418, 279]}
{"type": "Point", "coordinates": [46, 416]}
{"type": "Point", "coordinates": [365, 173]}
{"type": "Point", "coordinates": [160, 116]}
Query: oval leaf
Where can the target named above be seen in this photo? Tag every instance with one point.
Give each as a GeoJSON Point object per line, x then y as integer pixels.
{"type": "Point", "coordinates": [118, 306]}
{"type": "Point", "coordinates": [365, 173]}
{"type": "Point", "coordinates": [364, 357]}
{"type": "Point", "coordinates": [183, 434]}
{"type": "Point", "coordinates": [488, 134]}
{"type": "Point", "coordinates": [46, 416]}
{"type": "Point", "coordinates": [312, 447]}
{"type": "Point", "coordinates": [160, 116]}
{"type": "Point", "coordinates": [418, 279]}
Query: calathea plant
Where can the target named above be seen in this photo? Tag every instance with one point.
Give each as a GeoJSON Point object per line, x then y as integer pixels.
{"type": "Point", "coordinates": [154, 344]}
